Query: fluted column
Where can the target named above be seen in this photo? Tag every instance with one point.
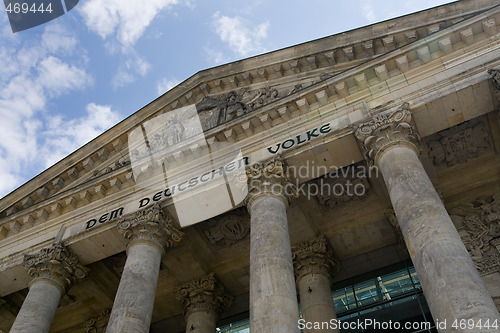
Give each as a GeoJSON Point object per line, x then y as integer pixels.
{"type": "Point", "coordinates": [314, 265]}
{"type": "Point", "coordinates": [54, 270]}
{"type": "Point", "coordinates": [150, 232]}
{"type": "Point", "coordinates": [450, 281]}
{"type": "Point", "coordinates": [204, 301]}
{"type": "Point", "coordinates": [273, 300]}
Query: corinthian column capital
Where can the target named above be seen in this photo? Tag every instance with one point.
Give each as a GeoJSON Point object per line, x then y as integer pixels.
{"type": "Point", "coordinates": [314, 257]}
{"type": "Point", "coordinates": [386, 130]}
{"type": "Point", "coordinates": [150, 225]}
{"type": "Point", "coordinates": [206, 294]}
{"type": "Point", "coordinates": [56, 264]}
{"type": "Point", "coordinates": [270, 178]}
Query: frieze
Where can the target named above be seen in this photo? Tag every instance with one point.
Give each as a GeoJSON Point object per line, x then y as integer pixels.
{"type": "Point", "coordinates": [228, 229]}
{"type": "Point", "coordinates": [479, 227]}
{"type": "Point", "coordinates": [459, 143]}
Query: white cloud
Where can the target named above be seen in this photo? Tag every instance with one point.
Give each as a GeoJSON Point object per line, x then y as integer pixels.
{"type": "Point", "coordinates": [121, 23]}
{"type": "Point", "coordinates": [32, 73]}
{"type": "Point", "coordinates": [165, 85]}
{"type": "Point", "coordinates": [63, 137]}
{"type": "Point", "coordinates": [368, 11]}
{"type": "Point", "coordinates": [241, 39]}
{"type": "Point", "coordinates": [128, 19]}
{"type": "Point", "coordinates": [216, 57]}
{"type": "Point", "coordinates": [129, 69]}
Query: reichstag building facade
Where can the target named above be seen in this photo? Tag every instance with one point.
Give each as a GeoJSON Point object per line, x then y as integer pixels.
{"type": "Point", "coordinates": [347, 184]}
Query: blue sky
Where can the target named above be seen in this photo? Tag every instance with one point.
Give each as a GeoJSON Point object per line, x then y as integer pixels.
{"type": "Point", "coordinates": [65, 82]}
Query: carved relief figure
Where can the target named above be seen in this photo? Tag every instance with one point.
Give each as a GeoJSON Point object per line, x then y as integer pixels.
{"type": "Point", "coordinates": [479, 226]}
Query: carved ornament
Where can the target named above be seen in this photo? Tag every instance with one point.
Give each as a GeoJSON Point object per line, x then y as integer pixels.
{"type": "Point", "coordinates": [57, 264]}
{"type": "Point", "coordinates": [314, 257]}
{"type": "Point", "coordinates": [270, 178]}
{"type": "Point", "coordinates": [150, 225]}
{"type": "Point", "coordinates": [98, 323]}
{"type": "Point", "coordinates": [385, 130]}
{"type": "Point", "coordinates": [459, 143]}
{"type": "Point", "coordinates": [344, 185]}
{"type": "Point", "coordinates": [229, 228]}
{"type": "Point", "coordinates": [206, 294]}
{"type": "Point", "coordinates": [216, 110]}
{"type": "Point", "coordinates": [479, 227]}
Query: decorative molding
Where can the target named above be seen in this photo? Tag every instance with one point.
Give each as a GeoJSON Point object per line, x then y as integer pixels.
{"type": "Point", "coordinates": [459, 143]}
{"type": "Point", "coordinates": [150, 225]}
{"type": "Point", "coordinates": [270, 178]}
{"type": "Point", "coordinates": [314, 257]}
{"type": "Point", "coordinates": [229, 228]}
{"type": "Point", "coordinates": [117, 165]}
{"type": "Point", "coordinates": [479, 227]}
{"type": "Point", "coordinates": [206, 294]}
{"type": "Point", "coordinates": [98, 323]}
{"type": "Point", "coordinates": [57, 264]}
{"type": "Point", "coordinates": [343, 185]}
{"type": "Point", "coordinates": [385, 130]}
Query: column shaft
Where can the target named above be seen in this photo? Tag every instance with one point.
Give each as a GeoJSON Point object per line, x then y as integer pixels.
{"type": "Point", "coordinates": [134, 301]}
{"type": "Point", "coordinates": [273, 300]}
{"type": "Point", "coordinates": [38, 309]}
{"type": "Point", "coordinates": [201, 321]}
{"type": "Point", "coordinates": [451, 283]}
{"type": "Point", "coordinates": [316, 302]}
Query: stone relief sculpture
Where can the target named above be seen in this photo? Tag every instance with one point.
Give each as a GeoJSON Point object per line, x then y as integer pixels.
{"type": "Point", "coordinates": [217, 110]}
{"type": "Point", "coordinates": [460, 143]}
{"type": "Point", "coordinates": [479, 227]}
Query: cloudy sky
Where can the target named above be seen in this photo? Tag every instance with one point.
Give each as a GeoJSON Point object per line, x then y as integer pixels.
{"type": "Point", "coordinates": [65, 82]}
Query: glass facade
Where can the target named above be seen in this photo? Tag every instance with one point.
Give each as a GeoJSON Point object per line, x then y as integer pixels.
{"type": "Point", "coordinates": [386, 302]}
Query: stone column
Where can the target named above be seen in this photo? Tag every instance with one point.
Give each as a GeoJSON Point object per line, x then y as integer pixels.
{"type": "Point", "coordinates": [150, 232]}
{"type": "Point", "coordinates": [314, 264]}
{"type": "Point", "coordinates": [273, 299]}
{"type": "Point", "coordinates": [450, 281]}
{"type": "Point", "coordinates": [204, 301]}
{"type": "Point", "coordinates": [54, 270]}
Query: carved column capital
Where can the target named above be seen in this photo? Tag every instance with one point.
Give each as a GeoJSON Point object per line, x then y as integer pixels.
{"type": "Point", "coordinates": [270, 178]}
{"type": "Point", "coordinates": [206, 294]}
{"type": "Point", "coordinates": [56, 264]}
{"type": "Point", "coordinates": [150, 225]}
{"type": "Point", "coordinates": [386, 130]}
{"type": "Point", "coordinates": [314, 257]}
